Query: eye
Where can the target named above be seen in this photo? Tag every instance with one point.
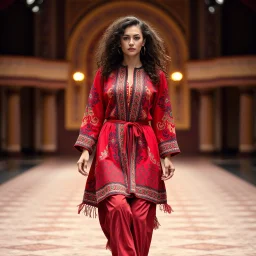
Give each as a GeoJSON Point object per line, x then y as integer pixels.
{"type": "Point", "coordinates": [125, 38]}
{"type": "Point", "coordinates": [137, 38]}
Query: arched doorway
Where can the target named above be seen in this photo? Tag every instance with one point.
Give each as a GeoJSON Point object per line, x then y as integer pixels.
{"type": "Point", "coordinates": [81, 48]}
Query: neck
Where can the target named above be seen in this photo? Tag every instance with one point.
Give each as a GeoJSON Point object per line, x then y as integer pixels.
{"type": "Point", "coordinates": [132, 62]}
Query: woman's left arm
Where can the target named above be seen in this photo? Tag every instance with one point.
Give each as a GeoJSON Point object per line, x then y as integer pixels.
{"type": "Point", "coordinates": [93, 118]}
{"type": "Point", "coordinates": [164, 127]}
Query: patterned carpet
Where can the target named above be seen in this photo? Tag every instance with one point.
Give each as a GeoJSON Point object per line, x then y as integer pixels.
{"type": "Point", "coordinates": [214, 213]}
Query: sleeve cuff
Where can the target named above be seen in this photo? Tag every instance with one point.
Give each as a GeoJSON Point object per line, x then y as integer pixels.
{"type": "Point", "coordinates": [170, 153]}
{"type": "Point", "coordinates": [81, 148]}
{"type": "Point", "coordinates": [85, 142]}
{"type": "Point", "coordinates": [168, 148]}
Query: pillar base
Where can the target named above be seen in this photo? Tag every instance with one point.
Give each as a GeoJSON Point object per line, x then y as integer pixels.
{"type": "Point", "coordinates": [48, 148]}
{"type": "Point", "coordinates": [246, 148]}
{"type": "Point", "coordinates": [13, 148]}
{"type": "Point", "coordinates": [207, 148]}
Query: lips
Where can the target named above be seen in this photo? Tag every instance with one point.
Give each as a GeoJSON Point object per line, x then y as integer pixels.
{"type": "Point", "coordinates": [131, 49]}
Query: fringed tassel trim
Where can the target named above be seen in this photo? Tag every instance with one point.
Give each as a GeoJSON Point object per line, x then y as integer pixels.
{"type": "Point", "coordinates": [163, 207]}
{"type": "Point", "coordinates": [166, 208]}
{"type": "Point", "coordinates": [89, 210]}
{"type": "Point", "coordinates": [108, 246]}
{"type": "Point", "coordinates": [156, 223]}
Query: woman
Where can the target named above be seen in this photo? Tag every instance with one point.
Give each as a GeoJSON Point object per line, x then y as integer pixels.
{"type": "Point", "coordinates": [126, 179]}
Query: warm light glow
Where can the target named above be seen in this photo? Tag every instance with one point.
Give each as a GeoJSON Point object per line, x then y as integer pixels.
{"type": "Point", "coordinates": [176, 76]}
{"type": "Point", "coordinates": [78, 76]}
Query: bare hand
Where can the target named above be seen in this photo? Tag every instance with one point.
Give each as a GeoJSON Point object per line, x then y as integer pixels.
{"type": "Point", "coordinates": [82, 163]}
{"type": "Point", "coordinates": [169, 169]}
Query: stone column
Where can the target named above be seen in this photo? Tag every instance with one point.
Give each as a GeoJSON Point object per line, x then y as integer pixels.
{"type": "Point", "coordinates": [38, 119]}
{"type": "Point", "coordinates": [3, 118]}
{"type": "Point", "coordinates": [246, 144]}
{"type": "Point", "coordinates": [218, 119]}
{"type": "Point", "coordinates": [49, 122]}
{"type": "Point", "coordinates": [13, 120]}
{"type": "Point", "coordinates": [206, 121]}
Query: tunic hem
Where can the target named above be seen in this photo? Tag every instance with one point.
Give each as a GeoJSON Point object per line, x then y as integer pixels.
{"type": "Point", "coordinates": [90, 210]}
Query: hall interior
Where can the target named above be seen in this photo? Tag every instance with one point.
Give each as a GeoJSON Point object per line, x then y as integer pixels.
{"type": "Point", "coordinates": [47, 65]}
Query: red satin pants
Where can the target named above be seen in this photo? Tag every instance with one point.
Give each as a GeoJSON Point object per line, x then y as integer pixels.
{"type": "Point", "coordinates": [128, 224]}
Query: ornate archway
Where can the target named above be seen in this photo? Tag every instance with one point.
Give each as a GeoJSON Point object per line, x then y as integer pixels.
{"type": "Point", "coordinates": [81, 46]}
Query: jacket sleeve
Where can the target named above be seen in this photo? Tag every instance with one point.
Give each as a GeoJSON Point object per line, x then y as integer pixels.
{"type": "Point", "coordinates": [93, 117]}
{"type": "Point", "coordinates": [163, 122]}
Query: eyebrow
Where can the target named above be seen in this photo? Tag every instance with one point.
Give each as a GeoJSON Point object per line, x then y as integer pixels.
{"type": "Point", "coordinates": [133, 35]}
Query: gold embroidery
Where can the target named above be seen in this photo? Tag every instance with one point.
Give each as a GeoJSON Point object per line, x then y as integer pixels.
{"type": "Point", "coordinates": [143, 115]}
{"type": "Point", "coordinates": [148, 93]}
{"type": "Point", "coordinates": [151, 157]}
{"type": "Point", "coordinates": [89, 117]}
{"type": "Point", "coordinates": [110, 93]}
{"type": "Point", "coordinates": [104, 154]}
{"type": "Point", "coordinates": [167, 122]}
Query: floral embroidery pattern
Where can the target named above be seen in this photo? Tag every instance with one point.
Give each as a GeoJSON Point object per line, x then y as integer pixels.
{"type": "Point", "coordinates": [89, 117]}
{"type": "Point", "coordinates": [138, 91]}
{"type": "Point", "coordinates": [148, 93]}
{"type": "Point", "coordinates": [121, 94]}
{"type": "Point", "coordinates": [151, 157]}
{"type": "Point", "coordinates": [167, 123]}
{"type": "Point", "coordinates": [93, 97]}
{"type": "Point", "coordinates": [104, 153]}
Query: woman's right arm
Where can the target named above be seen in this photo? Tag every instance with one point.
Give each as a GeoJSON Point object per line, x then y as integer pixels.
{"type": "Point", "coordinates": [91, 123]}
{"type": "Point", "coordinates": [82, 163]}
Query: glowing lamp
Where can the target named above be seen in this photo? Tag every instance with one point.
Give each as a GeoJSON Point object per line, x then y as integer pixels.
{"type": "Point", "coordinates": [78, 76]}
{"type": "Point", "coordinates": [176, 76]}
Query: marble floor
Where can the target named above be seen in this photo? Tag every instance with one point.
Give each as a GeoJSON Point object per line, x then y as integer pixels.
{"type": "Point", "coordinates": [214, 213]}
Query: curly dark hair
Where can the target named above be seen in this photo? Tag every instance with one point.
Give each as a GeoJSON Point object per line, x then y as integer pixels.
{"type": "Point", "coordinates": [109, 59]}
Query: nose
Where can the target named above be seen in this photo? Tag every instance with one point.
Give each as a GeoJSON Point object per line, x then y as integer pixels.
{"type": "Point", "coordinates": [131, 42]}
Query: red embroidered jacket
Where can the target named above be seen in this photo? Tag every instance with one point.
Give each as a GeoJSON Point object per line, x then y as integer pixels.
{"type": "Point", "coordinates": [127, 157]}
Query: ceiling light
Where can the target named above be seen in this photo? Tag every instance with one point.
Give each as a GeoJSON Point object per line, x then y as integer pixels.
{"type": "Point", "coordinates": [29, 2]}
{"type": "Point", "coordinates": [35, 9]}
{"type": "Point", "coordinates": [211, 9]}
{"type": "Point", "coordinates": [219, 1]}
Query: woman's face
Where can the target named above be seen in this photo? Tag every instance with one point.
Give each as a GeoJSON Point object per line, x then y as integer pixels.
{"type": "Point", "coordinates": [132, 41]}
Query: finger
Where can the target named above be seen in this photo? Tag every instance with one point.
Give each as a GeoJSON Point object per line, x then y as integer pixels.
{"type": "Point", "coordinates": [167, 177]}
{"type": "Point", "coordinates": [84, 173]}
{"type": "Point", "coordinates": [81, 169]}
{"type": "Point", "coordinates": [166, 171]}
{"type": "Point", "coordinates": [82, 164]}
{"type": "Point", "coordinates": [85, 166]}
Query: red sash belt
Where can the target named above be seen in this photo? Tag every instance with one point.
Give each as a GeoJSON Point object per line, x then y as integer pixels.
{"type": "Point", "coordinates": [129, 135]}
